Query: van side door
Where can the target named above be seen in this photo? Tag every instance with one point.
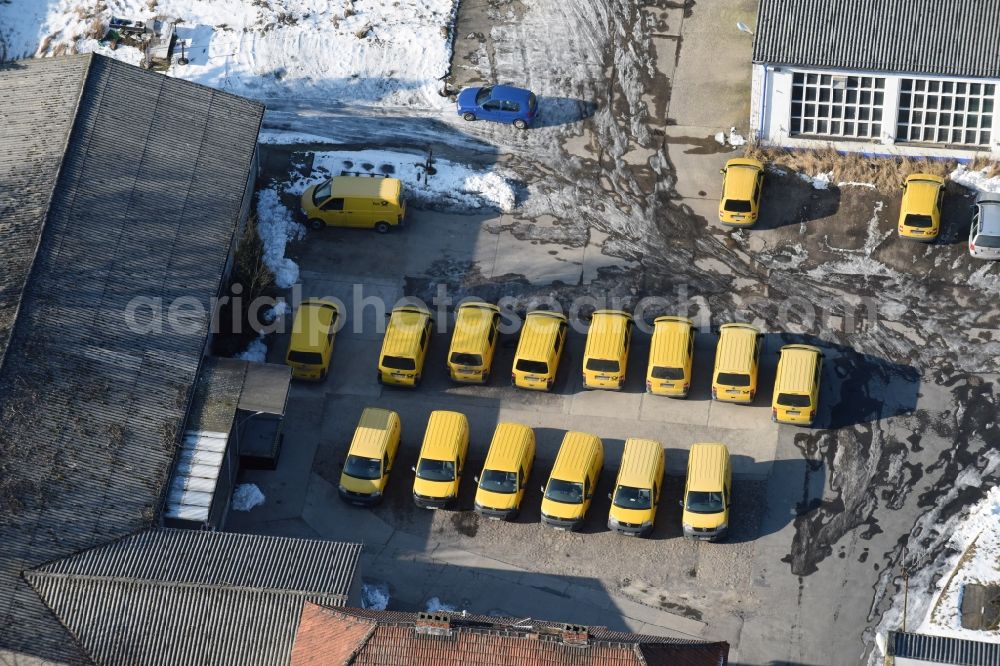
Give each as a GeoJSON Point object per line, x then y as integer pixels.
{"type": "Point", "coordinates": [332, 212]}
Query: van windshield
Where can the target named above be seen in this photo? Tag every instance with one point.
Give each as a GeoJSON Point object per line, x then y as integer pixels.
{"type": "Point", "coordinates": [536, 367]}
{"type": "Point", "coordinates": [918, 221]}
{"type": "Point", "coordinates": [667, 373]}
{"type": "Point", "coordinates": [466, 359]}
{"type": "Point", "coordinates": [733, 379]}
{"type": "Point", "coordinates": [793, 400]}
{"type": "Point", "coordinates": [498, 482]}
{"type": "Point", "coordinates": [322, 192]}
{"type": "Point", "coordinates": [737, 206]}
{"type": "Point", "coordinates": [363, 468]}
{"type": "Point", "coordinates": [602, 365]}
{"type": "Point", "coordinates": [704, 502]}
{"type": "Point", "coordinates": [399, 363]}
{"type": "Point", "coordinates": [305, 358]}
{"type": "Point", "coordinates": [627, 497]}
{"type": "Point", "coordinates": [564, 491]}
{"type": "Point", "coordinates": [436, 470]}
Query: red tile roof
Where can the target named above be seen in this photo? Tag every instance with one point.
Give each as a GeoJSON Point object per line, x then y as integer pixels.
{"type": "Point", "coordinates": [388, 638]}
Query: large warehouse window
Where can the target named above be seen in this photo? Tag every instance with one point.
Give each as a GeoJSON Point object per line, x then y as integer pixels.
{"type": "Point", "coordinates": [842, 106]}
{"type": "Point", "coordinates": [953, 112]}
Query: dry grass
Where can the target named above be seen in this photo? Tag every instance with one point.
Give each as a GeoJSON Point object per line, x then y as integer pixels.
{"type": "Point", "coordinates": [885, 173]}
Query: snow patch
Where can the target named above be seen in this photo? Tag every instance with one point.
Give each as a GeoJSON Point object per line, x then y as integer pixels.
{"type": "Point", "coordinates": [977, 539]}
{"type": "Point", "coordinates": [435, 605]}
{"type": "Point", "coordinates": [247, 496]}
{"type": "Point", "coordinates": [451, 185]}
{"type": "Point", "coordinates": [733, 138]}
{"type": "Point", "coordinates": [256, 351]}
{"type": "Point", "coordinates": [375, 596]}
{"type": "Point", "coordinates": [820, 181]}
{"type": "Point", "coordinates": [367, 51]}
{"type": "Point", "coordinates": [276, 228]}
{"type": "Point", "coordinates": [976, 180]}
{"type": "Point", "coordinates": [280, 309]}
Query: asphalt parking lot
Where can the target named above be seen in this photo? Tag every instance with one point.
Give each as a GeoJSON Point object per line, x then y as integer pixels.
{"type": "Point", "coordinates": [621, 188]}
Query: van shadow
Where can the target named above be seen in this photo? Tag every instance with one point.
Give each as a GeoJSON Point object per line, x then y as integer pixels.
{"type": "Point", "coordinates": [789, 200]}
{"type": "Point", "coordinates": [855, 387]}
{"type": "Point", "coordinates": [956, 216]}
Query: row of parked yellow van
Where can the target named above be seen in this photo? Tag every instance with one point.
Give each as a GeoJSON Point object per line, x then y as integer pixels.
{"type": "Point", "coordinates": [540, 347]}
{"type": "Point", "coordinates": [566, 496]}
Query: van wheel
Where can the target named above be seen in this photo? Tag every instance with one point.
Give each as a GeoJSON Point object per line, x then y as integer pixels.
{"type": "Point", "coordinates": [469, 116]}
{"type": "Point", "coordinates": [382, 227]}
{"type": "Point", "coordinates": [316, 224]}
{"type": "Point", "coordinates": [486, 377]}
{"type": "Point", "coordinates": [520, 124]}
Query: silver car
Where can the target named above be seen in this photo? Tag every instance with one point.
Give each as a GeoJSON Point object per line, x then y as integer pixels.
{"type": "Point", "coordinates": [984, 236]}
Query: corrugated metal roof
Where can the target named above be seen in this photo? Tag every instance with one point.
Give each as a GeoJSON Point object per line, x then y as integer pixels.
{"type": "Point", "coordinates": [184, 597]}
{"type": "Point", "coordinates": [943, 650]}
{"type": "Point", "coordinates": [473, 640]}
{"type": "Point", "coordinates": [251, 561]}
{"type": "Point", "coordinates": [958, 37]}
{"type": "Point", "coordinates": [144, 202]}
{"type": "Point", "coordinates": [36, 114]}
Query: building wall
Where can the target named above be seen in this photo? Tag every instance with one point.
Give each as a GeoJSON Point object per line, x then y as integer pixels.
{"type": "Point", "coordinates": [771, 118]}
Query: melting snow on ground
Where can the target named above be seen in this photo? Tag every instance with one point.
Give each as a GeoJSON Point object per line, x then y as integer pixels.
{"type": "Point", "coordinates": [375, 596]}
{"type": "Point", "coordinates": [255, 352]}
{"type": "Point", "coordinates": [247, 496]}
{"type": "Point", "coordinates": [368, 51]}
{"type": "Point", "coordinates": [276, 227]}
{"type": "Point", "coordinates": [820, 181]}
{"type": "Point", "coordinates": [435, 605]}
{"type": "Point", "coordinates": [976, 179]}
{"type": "Point", "coordinates": [451, 185]}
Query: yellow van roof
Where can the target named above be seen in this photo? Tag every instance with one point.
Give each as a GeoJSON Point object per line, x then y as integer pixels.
{"type": "Point", "coordinates": [367, 186]}
{"type": "Point", "coordinates": [314, 315]}
{"type": "Point", "coordinates": [606, 334]}
{"type": "Point", "coordinates": [575, 453]}
{"type": "Point", "coordinates": [538, 335]}
{"type": "Point", "coordinates": [707, 467]}
{"type": "Point", "coordinates": [639, 462]}
{"type": "Point", "coordinates": [507, 447]}
{"type": "Point", "coordinates": [472, 325]}
{"type": "Point", "coordinates": [741, 175]}
{"type": "Point", "coordinates": [372, 434]}
{"type": "Point", "coordinates": [921, 192]}
{"type": "Point", "coordinates": [735, 352]}
{"type": "Point", "coordinates": [402, 335]}
{"type": "Point", "coordinates": [796, 368]}
{"type": "Point", "coordinates": [445, 431]}
{"type": "Point", "coordinates": [669, 345]}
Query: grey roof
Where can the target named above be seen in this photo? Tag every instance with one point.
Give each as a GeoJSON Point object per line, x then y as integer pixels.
{"type": "Point", "coordinates": [144, 202]}
{"type": "Point", "coordinates": [953, 37]}
{"type": "Point", "coordinates": [943, 649]}
{"type": "Point", "coordinates": [191, 597]}
{"type": "Point", "coordinates": [32, 143]}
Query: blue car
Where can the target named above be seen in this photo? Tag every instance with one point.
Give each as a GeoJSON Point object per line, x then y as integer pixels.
{"type": "Point", "coordinates": [502, 104]}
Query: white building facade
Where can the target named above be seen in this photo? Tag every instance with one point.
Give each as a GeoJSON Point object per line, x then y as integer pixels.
{"type": "Point", "coordinates": [915, 77]}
